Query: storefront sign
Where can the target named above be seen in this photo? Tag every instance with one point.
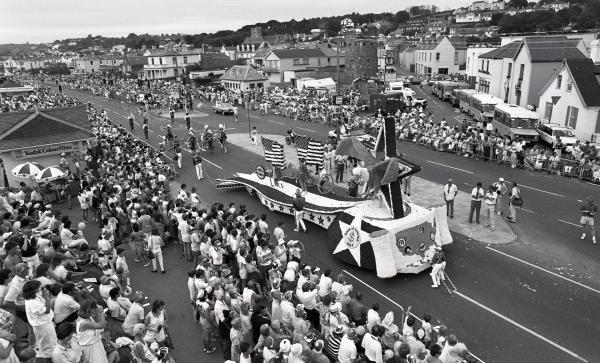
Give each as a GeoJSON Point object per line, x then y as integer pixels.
{"type": "Point", "coordinates": [36, 152]}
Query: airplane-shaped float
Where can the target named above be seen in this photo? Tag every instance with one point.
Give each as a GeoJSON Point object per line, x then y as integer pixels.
{"type": "Point", "coordinates": [387, 233]}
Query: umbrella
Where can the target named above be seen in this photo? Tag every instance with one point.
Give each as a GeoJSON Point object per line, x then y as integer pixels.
{"type": "Point", "coordinates": [27, 170]}
{"type": "Point", "coordinates": [352, 147]}
{"type": "Point", "coordinates": [50, 173]}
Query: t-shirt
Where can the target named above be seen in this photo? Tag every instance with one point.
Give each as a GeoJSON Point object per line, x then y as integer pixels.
{"type": "Point", "coordinates": [64, 305]}
{"type": "Point", "coordinates": [299, 203]}
{"type": "Point", "coordinates": [589, 210]}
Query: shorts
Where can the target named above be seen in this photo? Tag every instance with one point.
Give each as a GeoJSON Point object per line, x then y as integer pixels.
{"type": "Point", "coordinates": [587, 221]}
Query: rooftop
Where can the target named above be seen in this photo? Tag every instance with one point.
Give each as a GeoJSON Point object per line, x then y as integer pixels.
{"type": "Point", "coordinates": [586, 75]}
{"type": "Point", "coordinates": [242, 74]}
{"type": "Point", "coordinates": [33, 128]}
{"type": "Point", "coordinates": [298, 53]}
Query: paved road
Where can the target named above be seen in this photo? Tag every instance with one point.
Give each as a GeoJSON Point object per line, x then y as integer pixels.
{"type": "Point", "coordinates": [505, 310]}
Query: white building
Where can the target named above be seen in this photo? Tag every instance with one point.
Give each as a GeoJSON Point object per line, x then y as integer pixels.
{"type": "Point", "coordinates": [473, 17]}
{"type": "Point", "coordinates": [242, 78]}
{"type": "Point", "coordinates": [571, 97]}
{"type": "Point", "coordinates": [169, 64]}
{"type": "Point", "coordinates": [87, 65]}
{"type": "Point", "coordinates": [443, 56]}
{"type": "Point", "coordinates": [517, 71]}
{"type": "Point", "coordinates": [472, 61]}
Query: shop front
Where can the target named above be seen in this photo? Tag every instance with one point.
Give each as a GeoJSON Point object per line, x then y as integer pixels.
{"type": "Point", "coordinates": [46, 137]}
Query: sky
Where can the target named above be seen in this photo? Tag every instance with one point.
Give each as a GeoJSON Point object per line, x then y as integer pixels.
{"type": "Point", "coordinates": [38, 21]}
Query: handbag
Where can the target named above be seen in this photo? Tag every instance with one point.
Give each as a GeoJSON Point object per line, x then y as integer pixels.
{"type": "Point", "coordinates": [517, 201]}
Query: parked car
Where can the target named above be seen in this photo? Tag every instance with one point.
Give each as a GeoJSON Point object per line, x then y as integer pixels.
{"type": "Point", "coordinates": [223, 108]}
{"type": "Point", "coordinates": [548, 133]}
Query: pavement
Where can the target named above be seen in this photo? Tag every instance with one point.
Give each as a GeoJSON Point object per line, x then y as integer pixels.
{"type": "Point", "coordinates": [533, 300]}
{"type": "Point", "coordinates": [423, 192]}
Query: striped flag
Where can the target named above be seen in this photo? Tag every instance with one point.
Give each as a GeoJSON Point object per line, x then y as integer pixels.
{"type": "Point", "coordinates": [274, 152]}
{"type": "Point", "coordinates": [302, 146]}
{"type": "Point", "coordinates": [315, 153]}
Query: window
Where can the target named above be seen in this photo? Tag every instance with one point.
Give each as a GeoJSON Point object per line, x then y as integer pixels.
{"type": "Point", "coordinates": [91, 63]}
{"type": "Point", "coordinates": [569, 86]}
{"type": "Point", "coordinates": [305, 61]}
{"type": "Point", "coordinates": [328, 60]}
{"type": "Point", "coordinates": [558, 82]}
{"type": "Point", "coordinates": [455, 57]}
{"type": "Point", "coordinates": [152, 60]}
{"type": "Point", "coordinates": [484, 85]}
{"type": "Point", "coordinates": [509, 73]}
{"type": "Point", "coordinates": [518, 94]}
{"type": "Point", "coordinates": [174, 60]}
{"type": "Point", "coordinates": [159, 60]}
{"type": "Point", "coordinates": [482, 65]}
{"type": "Point", "coordinates": [571, 119]}
{"type": "Point", "coordinates": [521, 71]}
{"type": "Point", "coordinates": [548, 111]}
{"type": "Point", "coordinates": [487, 67]}
{"type": "Point", "coordinates": [296, 62]}
{"type": "Point", "coordinates": [319, 61]}
{"type": "Point", "coordinates": [184, 60]}
{"type": "Point", "coordinates": [437, 56]}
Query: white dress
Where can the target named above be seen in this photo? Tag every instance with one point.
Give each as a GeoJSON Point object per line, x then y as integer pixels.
{"type": "Point", "coordinates": [152, 333]}
{"type": "Point", "coordinates": [90, 341]}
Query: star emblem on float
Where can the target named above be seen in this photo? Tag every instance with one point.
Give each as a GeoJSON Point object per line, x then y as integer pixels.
{"type": "Point", "coordinates": [352, 237]}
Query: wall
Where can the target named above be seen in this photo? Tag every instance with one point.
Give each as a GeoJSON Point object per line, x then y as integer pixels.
{"type": "Point", "coordinates": [540, 73]}
{"type": "Point", "coordinates": [587, 118]}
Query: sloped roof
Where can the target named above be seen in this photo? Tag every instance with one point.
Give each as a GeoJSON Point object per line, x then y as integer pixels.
{"type": "Point", "coordinates": [136, 60]}
{"type": "Point", "coordinates": [553, 49]}
{"type": "Point", "coordinates": [25, 129]}
{"type": "Point", "coordinates": [586, 76]}
{"type": "Point", "coordinates": [298, 53]}
{"type": "Point", "coordinates": [242, 74]}
{"type": "Point", "coordinates": [459, 43]}
{"type": "Point", "coordinates": [509, 50]}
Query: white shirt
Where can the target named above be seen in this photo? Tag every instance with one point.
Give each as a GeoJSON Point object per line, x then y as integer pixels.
{"type": "Point", "coordinates": [36, 312]}
{"type": "Point", "coordinates": [287, 312]}
{"type": "Point", "coordinates": [347, 351]}
{"type": "Point", "coordinates": [64, 306]}
{"type": "Point", "coordinates": [372, 348]}
{"type": "Point", "coordinates": [220, 307]}
{"type": "Point", "coordinates": [450, 191]}
{"type": "Point", "coordinates": [477, 194]}
{"type": "Point", "coordinates": [325, 285]}
{"type": "Point", "coordinates": [373, 319]}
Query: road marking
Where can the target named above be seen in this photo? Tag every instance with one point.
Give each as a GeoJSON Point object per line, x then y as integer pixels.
{"type": "Point", "coordinates": [276, 122]}
{"type": "Point", "coordinates": [394, 303]}
{"type": "Point", "coordinates": [229, 128]}
{"type": "Point", "coordinates": [543, 269]}
{"type": "Point", "coordinates": [571, 223]}
{"type": "Point", "coordinates": [527, 210]}
{"type": "Point", "coordinates": [468, 184]}
{"type": "Point", "coordinates": [509, 320]}
{"type": "Point", "coordinates": [541, 190]}
{"type": "Point", "coordinates": [302, 128]}
{"type": "Point", "coordinates": [451, 167]}
{"type": "Point", "coordinates": [204, 159]}
{"type": "Point", "coordinates": [252, 116]}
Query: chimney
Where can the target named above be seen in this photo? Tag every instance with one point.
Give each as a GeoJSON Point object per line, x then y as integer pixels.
{"type": "Point", "coordinates": [595, 51]}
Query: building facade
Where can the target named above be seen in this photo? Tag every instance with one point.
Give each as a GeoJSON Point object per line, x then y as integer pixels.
{"type": "Point", "coordinates": [169, 64]}
{"type": "Point", "coordinates": [243, 78]}
{"type": "Point", "coordinates": [442, 56]}
{"type": "Point", "coordinates": [361, 57]}
{"type": "Point", "coordinates": [517, 71]}
{"type": "Point", "coordinates": [571, 97]}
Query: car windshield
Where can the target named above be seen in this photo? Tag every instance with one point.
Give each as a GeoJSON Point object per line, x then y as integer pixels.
{"type": "Point", "coordinates": [563, 133]}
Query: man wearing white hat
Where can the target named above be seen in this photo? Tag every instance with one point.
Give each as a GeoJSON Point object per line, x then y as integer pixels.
{"type": "Point", "coordinates": [500, 191]}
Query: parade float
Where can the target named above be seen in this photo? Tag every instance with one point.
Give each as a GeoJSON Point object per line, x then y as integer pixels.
{"type": "Point", "coordinates": [386, 232]}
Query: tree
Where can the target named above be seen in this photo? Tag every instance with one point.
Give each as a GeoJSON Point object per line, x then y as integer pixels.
{"type": "Point", "coordinates": [518, 3]}
{"type": "Point", "coordinates": [401, 17]}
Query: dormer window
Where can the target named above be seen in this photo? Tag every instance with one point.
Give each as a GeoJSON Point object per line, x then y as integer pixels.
{"type": "Point", "coordinates": [558, 82]}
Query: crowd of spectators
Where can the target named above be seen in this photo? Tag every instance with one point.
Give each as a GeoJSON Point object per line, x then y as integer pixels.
{"type": "Point", "coordinates": [41, 97]}
{"type": "Point", "coordinates": [580, 160]}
